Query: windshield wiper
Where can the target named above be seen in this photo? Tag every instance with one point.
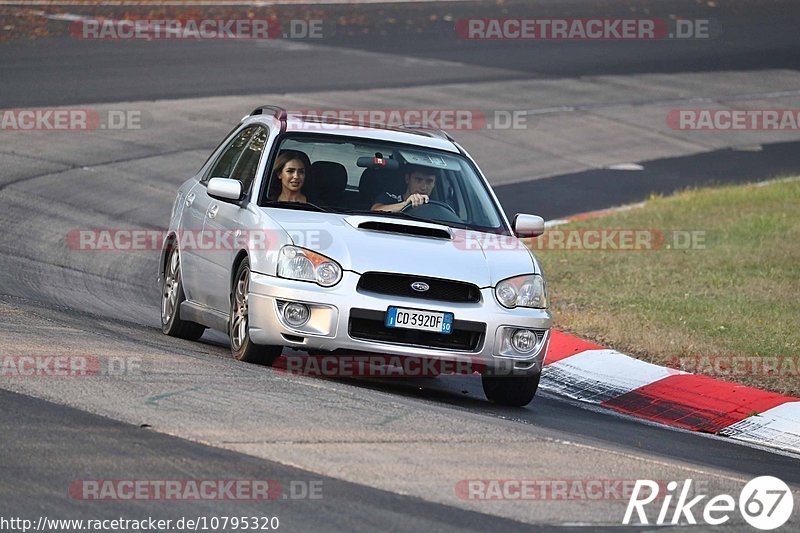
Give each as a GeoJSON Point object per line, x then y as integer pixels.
{"type": "Point", "coordinates": [407, 216]}
{"type": "Point", "coordinates": [306, 206]}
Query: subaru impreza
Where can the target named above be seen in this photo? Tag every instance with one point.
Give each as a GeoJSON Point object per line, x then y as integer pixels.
{"type": "Point", "coordinates": [328, 236]}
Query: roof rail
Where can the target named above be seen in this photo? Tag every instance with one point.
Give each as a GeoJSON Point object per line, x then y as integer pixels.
{"type": "Point", "coordinates": [446, 135]}
{"type": "Point", "coordinates": [276, 111]}
{"type": "Point", "coordinates": [438, 132]}
{"type": "Point", "coordinates": [282, 115]}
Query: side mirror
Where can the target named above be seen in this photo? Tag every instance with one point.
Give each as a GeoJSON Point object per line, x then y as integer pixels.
{"type": "Point", "coordinates": [528, 225]}
{"type": "Point", "coordinates": [225, 189]}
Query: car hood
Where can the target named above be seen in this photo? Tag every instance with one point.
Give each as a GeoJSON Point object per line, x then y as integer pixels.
{"type": "Point", "coordinates": [470, 256]}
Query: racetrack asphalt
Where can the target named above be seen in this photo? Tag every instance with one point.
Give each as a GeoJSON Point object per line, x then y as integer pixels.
{"type": "Point", "coordinates": [390, 452]}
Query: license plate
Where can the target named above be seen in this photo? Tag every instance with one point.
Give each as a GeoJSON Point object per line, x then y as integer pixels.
{"type": "Point", "coordinates": [398, 317]}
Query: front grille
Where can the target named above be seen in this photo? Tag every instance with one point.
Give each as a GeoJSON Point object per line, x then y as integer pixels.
{"type": "Point", "coordinates": [370, 325]}
{"type": "Point", "coordinates": [443, 290]}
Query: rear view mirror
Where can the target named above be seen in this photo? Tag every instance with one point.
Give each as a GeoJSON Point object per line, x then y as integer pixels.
{"type": "Point", "coordinates": [225, 189]}
{"type": "Point", "coordinates": [528, 225]}
{"type": "Point", "coordinates": [377, 163]}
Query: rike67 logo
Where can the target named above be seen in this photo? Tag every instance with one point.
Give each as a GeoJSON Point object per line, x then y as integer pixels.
{"type": "Point", "coordinates": [765, 503]}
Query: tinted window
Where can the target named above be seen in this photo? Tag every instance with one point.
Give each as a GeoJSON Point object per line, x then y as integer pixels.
{"type": "Point", "coordinates": [214, 151]}
{"type": "Point", "coordinates": [224, 166]}
{"type": "Point", "coordinates": [248, 162]}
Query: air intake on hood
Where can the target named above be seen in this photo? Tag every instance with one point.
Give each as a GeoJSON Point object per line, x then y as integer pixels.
{"type": "Point", "coordinates": [407, 229]}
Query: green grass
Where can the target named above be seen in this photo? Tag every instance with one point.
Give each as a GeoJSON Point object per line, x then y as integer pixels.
{"type": "Point", "coordinates": [739, 294]}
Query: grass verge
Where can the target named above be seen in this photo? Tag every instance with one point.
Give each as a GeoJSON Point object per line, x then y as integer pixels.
{"type": "Point", "coordinates": [710, 282]}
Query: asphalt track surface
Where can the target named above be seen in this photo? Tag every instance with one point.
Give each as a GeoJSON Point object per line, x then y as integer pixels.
{"type": "Point", "coordinates": [594, 190]}
{"type": "Point", "coordinates": [749, 35]}
{"type": "Point", "coordinates": [95, 442]}
{"type": "Point", "coordinates": [388, 452]}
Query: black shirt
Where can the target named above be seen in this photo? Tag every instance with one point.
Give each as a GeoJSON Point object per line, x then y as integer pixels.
{"type": "Point", "coordinates": [388, 198]}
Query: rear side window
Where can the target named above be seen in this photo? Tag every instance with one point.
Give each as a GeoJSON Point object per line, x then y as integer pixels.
{"type": "Point", "coordinates": [223, 167]}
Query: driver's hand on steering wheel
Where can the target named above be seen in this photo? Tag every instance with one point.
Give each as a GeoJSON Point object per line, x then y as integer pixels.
{"type": "Point", "coordinates": [416, 200]}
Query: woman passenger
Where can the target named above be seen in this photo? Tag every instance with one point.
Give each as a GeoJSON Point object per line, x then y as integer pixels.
{"type": "Point", "coordinates": [289, 176]}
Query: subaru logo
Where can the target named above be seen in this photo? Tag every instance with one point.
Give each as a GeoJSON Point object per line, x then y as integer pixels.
{"type": "Point", "coordinates": [420, 286]}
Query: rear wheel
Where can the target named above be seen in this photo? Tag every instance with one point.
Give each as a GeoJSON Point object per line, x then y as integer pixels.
{"type": "Point", "coordinates": [242, 346]}
{"type": "Point", "coordinates": [171, 299]}
{"type": "Point", "coordinates": [515, 391]}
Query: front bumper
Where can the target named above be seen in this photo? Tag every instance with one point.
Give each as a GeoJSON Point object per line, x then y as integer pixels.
{"type": "Point", "coordinates": [329, 326]}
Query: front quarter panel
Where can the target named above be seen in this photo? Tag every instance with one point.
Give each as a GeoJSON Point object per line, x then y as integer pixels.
{"type": "Point", "coordinates": [508, 262]}
{"type": "Point", "coordinates": [265, 242]}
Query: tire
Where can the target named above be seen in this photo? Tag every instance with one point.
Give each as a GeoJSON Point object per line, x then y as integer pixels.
{"type": "Point", "coordinates": [172, 297]}
{"type": "Point", "coordinates": [242, 347]}
{"type": "Point", "coordinates": [514, 391]}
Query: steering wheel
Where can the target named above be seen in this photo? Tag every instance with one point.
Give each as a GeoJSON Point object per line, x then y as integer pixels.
{"type": "Point", "coordinates": [431, 203]}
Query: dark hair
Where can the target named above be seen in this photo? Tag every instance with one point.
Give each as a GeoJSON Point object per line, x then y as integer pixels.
{"type": "Point", "coordinates": [284, 157]}
{"type": "Point", "coordinates": [428, 171]}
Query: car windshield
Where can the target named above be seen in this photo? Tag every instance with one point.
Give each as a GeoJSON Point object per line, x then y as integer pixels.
{"type": "Point", "coordinates": [356, 175]}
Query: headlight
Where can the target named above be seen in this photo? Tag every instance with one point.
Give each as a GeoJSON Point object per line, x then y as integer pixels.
{"type": "Point", "coordinates": [305, 265]}
{"type": "Point", "coordinates": [522, 291]}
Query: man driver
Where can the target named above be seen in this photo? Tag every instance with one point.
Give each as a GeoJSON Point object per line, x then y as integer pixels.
{"type": "Point", "coordinates": [420, 181]}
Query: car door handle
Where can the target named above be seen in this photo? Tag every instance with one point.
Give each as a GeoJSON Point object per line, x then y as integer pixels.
{"type": "Point", "coordinates": [212, 211]}
{"type": "Point", "coordinates": [189, 199]}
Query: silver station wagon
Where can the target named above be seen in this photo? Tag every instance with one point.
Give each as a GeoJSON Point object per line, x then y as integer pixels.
{"type": "Point", "coordinates": [334, 237]}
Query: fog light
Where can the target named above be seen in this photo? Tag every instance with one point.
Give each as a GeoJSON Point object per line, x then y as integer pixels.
{"type": "Point", "coordinates": [296, 314]}
{"type": "Point", "coordinates": [523, 340]}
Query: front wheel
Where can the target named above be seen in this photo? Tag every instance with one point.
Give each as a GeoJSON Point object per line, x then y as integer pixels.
{"type": "Point", "coordinates": [171, 299]}
{"type": "Point", "coordinates": [242, 347]}
{"type": "Point", "coordinates": [515, 391]}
